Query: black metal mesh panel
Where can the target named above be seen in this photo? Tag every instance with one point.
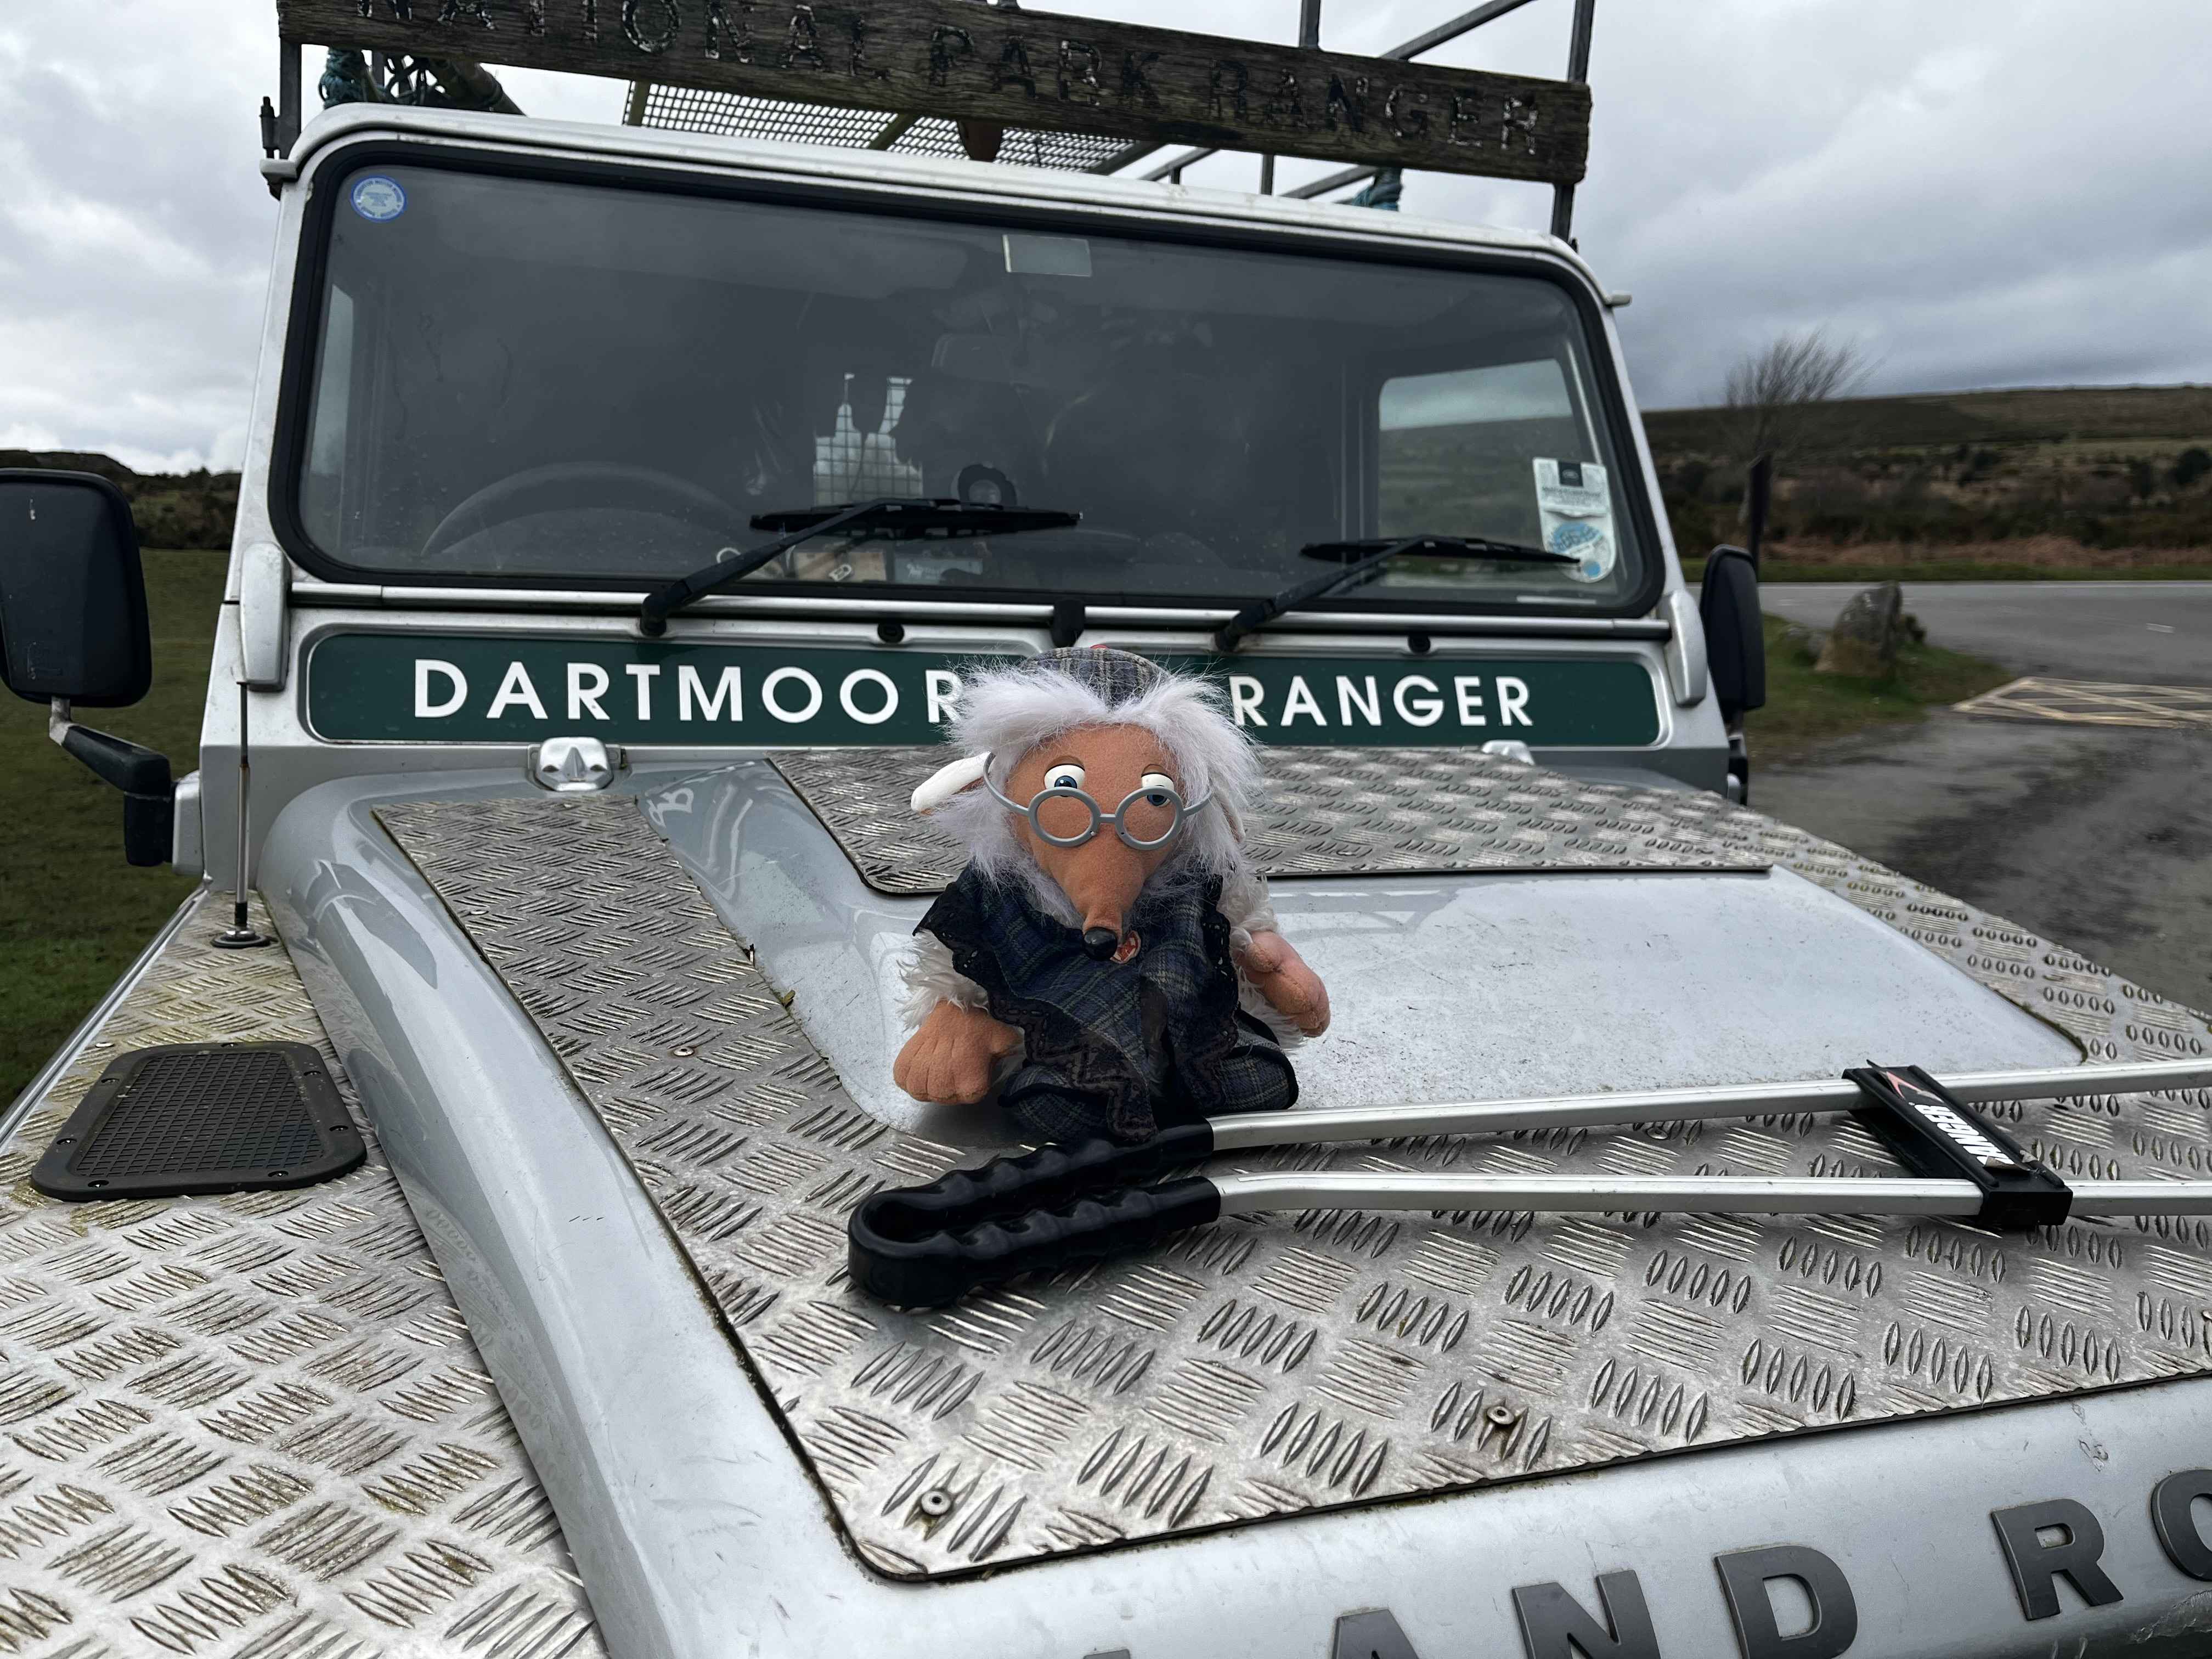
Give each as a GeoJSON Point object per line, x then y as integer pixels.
{"type": "Point", "coordinates": [686, 109]}
{"type": "Point", "coordinates": [202, 1109]}
{"type": "Point", "coordinates": [202, 1117]}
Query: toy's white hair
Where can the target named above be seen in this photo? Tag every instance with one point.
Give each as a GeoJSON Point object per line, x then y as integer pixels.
{"type": "Point", "coordinates": [1004, 713]}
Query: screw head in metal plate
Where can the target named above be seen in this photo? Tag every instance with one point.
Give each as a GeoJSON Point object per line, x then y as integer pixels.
{"type": "Point", "coordinates": [573, 766]}
{"type": "Point", "coordinates": [936, 1502]}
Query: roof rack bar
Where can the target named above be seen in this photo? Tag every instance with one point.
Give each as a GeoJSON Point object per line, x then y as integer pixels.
{"type": "Point", "coordinates": [1165, 167]}
{"type": "Point", "coordinates": [1310, 39]}
{"type": "Point", "coordinates": [1465, 22]}
{"type": "Point", "coordinates": [894, 129]}
{"type": "Point", "coordinates": [1334, 181]}
{"type": "Point", "coordinates": [1458, 26]}
{"type": "Point", "coordinates": [1111, 83]}
{"type": "Point", "coordinates": [1578, 51]}
{"type": "Point", "coordinates": [289, 112]}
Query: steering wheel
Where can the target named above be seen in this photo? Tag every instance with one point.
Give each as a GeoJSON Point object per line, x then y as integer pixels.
{"type": "Point", "coordinates": [572, 484]}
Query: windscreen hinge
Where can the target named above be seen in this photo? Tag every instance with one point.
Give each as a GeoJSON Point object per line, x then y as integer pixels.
{"type": "Point", "coordinates": [264, 592]}
{"type": "Point", "coordinates": [1688, 676]}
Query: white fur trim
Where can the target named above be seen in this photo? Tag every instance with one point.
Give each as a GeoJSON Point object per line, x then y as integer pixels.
{"type": "Point", "coordinates": [1252, 1002]}
{"type": "Point", "coordinates": [948, 780]}
{"type": "Point", "coordinates": [1245, 902]}
{"type": "Point", "coordinates": [930, 978]}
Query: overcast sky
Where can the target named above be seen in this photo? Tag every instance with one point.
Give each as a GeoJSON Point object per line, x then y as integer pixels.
{"type": "Point", "coordinates": [1979, 192]}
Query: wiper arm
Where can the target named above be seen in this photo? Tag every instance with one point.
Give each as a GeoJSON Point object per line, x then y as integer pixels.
{"type": "Point", "coordinates": [1368, 557]}
{"type": "Point", "coordinates": [902, 517]}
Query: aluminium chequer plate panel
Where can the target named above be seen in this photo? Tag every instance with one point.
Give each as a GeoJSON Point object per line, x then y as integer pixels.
{"type": "Point", "coordinates": [1335, 812]}
{"type": "Point", "coordinates": [252, 1425]}
{"type": "Point", "coordinates": [1269, 1365]}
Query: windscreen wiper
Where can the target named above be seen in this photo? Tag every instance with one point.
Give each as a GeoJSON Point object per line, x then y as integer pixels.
{"type": "Point", "coordinates": [1366, 558]}
{"type": "Point", "coordinates": [901, 517]}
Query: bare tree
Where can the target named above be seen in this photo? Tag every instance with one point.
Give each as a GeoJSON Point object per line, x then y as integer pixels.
{"type": "Point", "coordinates": [1770, 389]}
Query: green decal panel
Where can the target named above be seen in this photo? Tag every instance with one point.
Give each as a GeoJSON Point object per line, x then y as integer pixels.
{"type": "Point", "coordinates": [417, 688]}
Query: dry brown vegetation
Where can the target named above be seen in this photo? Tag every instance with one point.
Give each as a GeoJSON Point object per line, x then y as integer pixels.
{"type": "Point", "coordinates": [171, 509]}
{"type": "Point", "coordinates": [2108, 480]}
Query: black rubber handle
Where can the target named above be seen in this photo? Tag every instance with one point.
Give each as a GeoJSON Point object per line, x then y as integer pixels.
{"type": "Point", "coordinates": [1048, 1178]}
{"type": "Point", "coordinates": [936, 1268]}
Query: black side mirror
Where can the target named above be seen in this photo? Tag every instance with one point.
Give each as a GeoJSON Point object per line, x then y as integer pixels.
{"type": "Point", "coordinates": [72, 595]}
{"type": "Point", "coordinates": [1735, 642]}
{"type": "Point", "coordinates": [73, 631]}
{"type": "Point", "coordinates": [1735, 653]}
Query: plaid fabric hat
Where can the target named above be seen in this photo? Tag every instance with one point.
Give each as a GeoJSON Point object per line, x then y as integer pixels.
{"type": "Point", "coordinates": [1119, 677]}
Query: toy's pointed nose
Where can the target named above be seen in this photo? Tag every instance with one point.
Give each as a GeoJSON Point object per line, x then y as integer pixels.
{"type": "Point", "coordinates": [1101, 943]}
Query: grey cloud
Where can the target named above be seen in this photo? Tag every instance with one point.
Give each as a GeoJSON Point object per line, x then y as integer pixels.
{"type": "Point", "coordinates": [1981, 194]}
{"type": "Point", "coordinates": [135, 233]}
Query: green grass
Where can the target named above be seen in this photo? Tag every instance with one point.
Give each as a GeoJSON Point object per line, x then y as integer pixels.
{"type": "Point", "coordinates": [1805, 710]}
{"type": "Point", "coordinates": [72, 914]}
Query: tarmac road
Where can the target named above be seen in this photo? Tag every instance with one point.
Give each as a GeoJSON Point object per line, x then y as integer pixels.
{"type": "Point", "coordinates": [2142, 633]}
{"type": "Point", "coordinates": [2097, 837]}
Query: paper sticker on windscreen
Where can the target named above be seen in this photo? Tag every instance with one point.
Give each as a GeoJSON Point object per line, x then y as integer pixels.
{"type": "Point", "coordinates": [1576, 508]}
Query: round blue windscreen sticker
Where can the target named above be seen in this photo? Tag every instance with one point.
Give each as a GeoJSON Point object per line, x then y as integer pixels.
{"type": "Point", "coordinates": [378, 197]}
{"type": "Point", "coordinates": [1588, 543]}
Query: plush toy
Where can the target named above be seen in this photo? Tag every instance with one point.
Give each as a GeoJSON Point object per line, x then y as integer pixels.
{"type": "Point", "coordinates": [1108, 959]}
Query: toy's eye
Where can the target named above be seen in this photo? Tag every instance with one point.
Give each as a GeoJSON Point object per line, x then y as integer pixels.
{"type": "Point", "coordinates": [1066, 776]}
{"type": "Point", "coordinates": [1154, 783]}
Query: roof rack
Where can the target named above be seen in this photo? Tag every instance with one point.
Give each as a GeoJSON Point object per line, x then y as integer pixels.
{"type": "Point", "coordinates": [984, 78]}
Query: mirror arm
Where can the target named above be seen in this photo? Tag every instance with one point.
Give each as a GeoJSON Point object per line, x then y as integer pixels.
{"type": "Point", "coordinates": [141, 774]}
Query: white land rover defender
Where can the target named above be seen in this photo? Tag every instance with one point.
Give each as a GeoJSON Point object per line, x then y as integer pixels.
{"type": "Point", "coordinates": [622, 510]}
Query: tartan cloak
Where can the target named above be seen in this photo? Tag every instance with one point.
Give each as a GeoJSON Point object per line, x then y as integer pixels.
{"type": "Point", "coordinates": [1116, 1048]}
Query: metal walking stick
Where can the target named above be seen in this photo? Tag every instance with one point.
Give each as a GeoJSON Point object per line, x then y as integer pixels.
{"type": "Point", "coordinates": [1059, 1206]}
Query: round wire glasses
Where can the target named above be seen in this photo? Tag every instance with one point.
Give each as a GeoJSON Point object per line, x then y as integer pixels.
{"type": "Point", "coordinates": [1068, 816]}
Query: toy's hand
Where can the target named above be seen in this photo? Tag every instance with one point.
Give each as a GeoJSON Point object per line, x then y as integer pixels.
{"type": "Point", "coordinates": [1292, 989]}
{"type": "Point", "coordinates": [949, 1060]}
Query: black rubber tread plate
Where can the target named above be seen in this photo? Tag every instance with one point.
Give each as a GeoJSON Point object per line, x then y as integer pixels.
{"type": "Point", "coordinates": [203, 1117]}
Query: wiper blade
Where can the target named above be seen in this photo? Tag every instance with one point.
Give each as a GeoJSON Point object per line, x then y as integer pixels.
{"type": "Point", "coordinates": [1364, 559]}
{"type": "Point", "coordinates": [1456, 547]}
{"type": "Point", "coordinates": [901, 516]}
{"type": "Point", "coordinates": [906, 516]}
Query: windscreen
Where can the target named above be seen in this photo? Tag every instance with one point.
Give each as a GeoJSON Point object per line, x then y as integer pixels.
{"type": "Point", "coordinates": [556, 383]}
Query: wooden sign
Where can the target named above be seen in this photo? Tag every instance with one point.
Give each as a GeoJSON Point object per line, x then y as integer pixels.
{"type": "Point", "coordinates": [1009, 68]}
